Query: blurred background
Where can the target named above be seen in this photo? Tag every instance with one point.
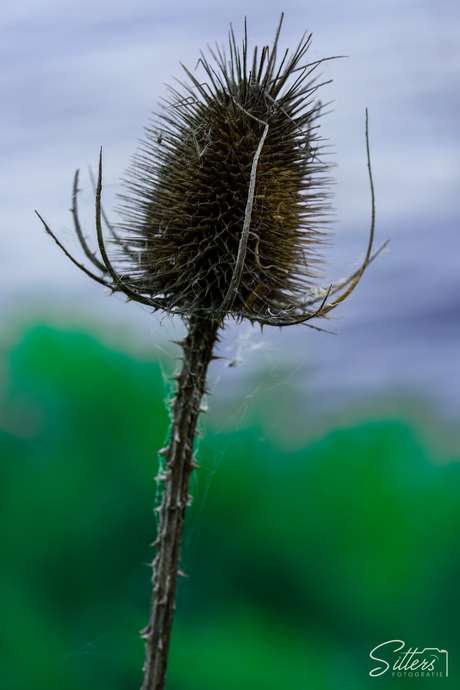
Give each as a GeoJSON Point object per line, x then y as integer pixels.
{"type": "Point", "coordinates": [326, 514]}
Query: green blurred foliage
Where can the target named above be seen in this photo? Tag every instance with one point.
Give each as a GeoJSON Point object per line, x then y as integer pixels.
{"type": "Point", "coordinates": [298, 562]}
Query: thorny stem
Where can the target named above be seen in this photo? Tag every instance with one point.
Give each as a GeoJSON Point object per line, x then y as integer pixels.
{"type": "Point", "coordinates": [191, 384]}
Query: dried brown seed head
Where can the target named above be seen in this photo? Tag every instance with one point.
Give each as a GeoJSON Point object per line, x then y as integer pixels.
{"type": "Point", "coordinates": [196, 232]}
{"type": "Point", "coordinates": [227, 200]}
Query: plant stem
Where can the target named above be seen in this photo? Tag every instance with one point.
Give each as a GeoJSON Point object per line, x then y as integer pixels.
{"type": "Point", "coordinates": [191, 384]}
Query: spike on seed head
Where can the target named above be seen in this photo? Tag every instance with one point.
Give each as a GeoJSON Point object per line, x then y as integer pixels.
{"type": "Point", "coordinates": [227, 195]}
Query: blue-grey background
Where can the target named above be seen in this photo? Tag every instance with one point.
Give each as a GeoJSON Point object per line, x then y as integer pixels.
{"type": "Point", "coordinates": [79, 75]}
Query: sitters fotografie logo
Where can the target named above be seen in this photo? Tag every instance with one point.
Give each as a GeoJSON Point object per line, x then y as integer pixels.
{"type": "Point", "coordinates": [393, 658]}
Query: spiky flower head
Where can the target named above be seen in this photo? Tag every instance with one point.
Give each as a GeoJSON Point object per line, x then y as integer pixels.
{"type": "Point", "coordinates": [227, 195]}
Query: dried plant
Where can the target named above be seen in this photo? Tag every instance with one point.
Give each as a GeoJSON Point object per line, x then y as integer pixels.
{"type": "Point", "coordinates": [223, 216]}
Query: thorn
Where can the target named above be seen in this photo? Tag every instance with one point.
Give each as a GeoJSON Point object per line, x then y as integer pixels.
{"type": "Point", "coordinates": [146, 633]}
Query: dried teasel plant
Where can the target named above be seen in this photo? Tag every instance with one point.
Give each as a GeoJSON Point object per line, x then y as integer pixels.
{"type": "Point", "coordinates": [223, 216]}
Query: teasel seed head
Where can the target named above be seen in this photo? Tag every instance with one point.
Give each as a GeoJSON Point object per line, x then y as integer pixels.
{"type": "Point", "coordinates": [227, 196]}
{"type": "Point", "coordinates": [227, 201]}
